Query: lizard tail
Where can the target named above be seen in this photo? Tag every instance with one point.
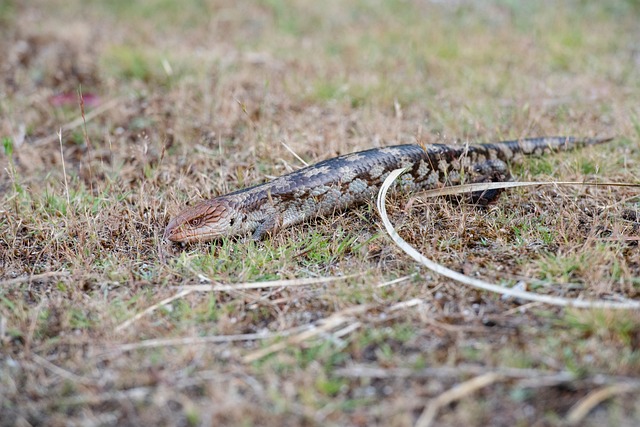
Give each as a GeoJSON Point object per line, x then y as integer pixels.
{"type": "Point", "coordinates": [539, 146]}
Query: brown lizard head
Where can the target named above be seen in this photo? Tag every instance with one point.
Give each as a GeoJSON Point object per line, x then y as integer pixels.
{"type": "Point", "coordinates": [205, 221]}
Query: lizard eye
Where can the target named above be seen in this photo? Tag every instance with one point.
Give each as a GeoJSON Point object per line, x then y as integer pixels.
{"type": "Point", "coordinates": [195, 222]}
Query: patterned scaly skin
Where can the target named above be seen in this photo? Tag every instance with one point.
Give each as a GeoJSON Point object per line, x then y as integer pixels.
{"type": "Point", "coordinates": [336, 184]}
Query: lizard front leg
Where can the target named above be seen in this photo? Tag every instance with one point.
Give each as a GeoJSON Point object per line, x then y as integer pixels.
{"type": "Point", "coordinates": [488, 171]}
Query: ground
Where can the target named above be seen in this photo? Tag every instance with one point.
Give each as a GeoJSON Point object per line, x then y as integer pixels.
{"type": "Point", "coordinates": [115, 115]}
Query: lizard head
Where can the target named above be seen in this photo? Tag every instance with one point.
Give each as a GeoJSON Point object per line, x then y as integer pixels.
{"type": "Point", "coordinates": [205, 221]}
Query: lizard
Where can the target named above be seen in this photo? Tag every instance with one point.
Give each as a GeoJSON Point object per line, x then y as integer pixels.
{"type": "Point", "coordinates": [344, 181]}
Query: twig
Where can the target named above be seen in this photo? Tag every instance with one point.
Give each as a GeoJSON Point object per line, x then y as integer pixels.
{"type": "Point", "coordinates": [32, 326]}
{"type": "Point", "coordinates": [34, 277]}
{"type": "Point", "coordinates": [86, 136]}
{"type": "Point", "coordinates": [455, 328]}
{"type": "Point", "coordinates": [326, 325]}
{"type": "Point", "coordinates": [133, 394]}
{"type": "Point", "coordinates": [151, 309]}
{"type": "Point", "coordinates": [527, 378]}
{"type": "Point", "coordinates": [347, 330]}
{"type": "Point", "coordinates": [393, 282]}
{"type": "Point", "coordinates": [265, 285]}
{"type": "Point", "coordinates": [406, 304]}
{"type": "Point", "coordinates": [581, 409]}
{"type": "Point", "coordinates": [483, 186]}
{"type": "Point", "coordinates": [64, 170]}
{"type": "Point", "coordinates": [78, 122]}
{"type": "Point", "coordinates": [174, 342]}
{"type": "Point", "coordinates": [62, 372]}
{"type": "Point", "coordinates": [464, 389]}
{"type": "Point", "coordinates": [480, 284]}
{"type": "Point", "coordinates": [187, 289]}
{"type": "Point", "coordinates": [289, 149]}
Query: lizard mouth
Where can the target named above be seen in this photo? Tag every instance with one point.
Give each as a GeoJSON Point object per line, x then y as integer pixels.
{"type": "Point", "coordinates": [202, 222]}
{"type": "Point", "coordinates": [180, 233]}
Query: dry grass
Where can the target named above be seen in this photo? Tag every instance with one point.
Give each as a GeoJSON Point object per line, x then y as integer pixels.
{"type": "Point", "coordinates": [190, 101]}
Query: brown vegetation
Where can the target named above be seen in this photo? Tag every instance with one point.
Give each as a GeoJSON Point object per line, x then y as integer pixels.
{"type": "Point", "coordinates": [102, 323]}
